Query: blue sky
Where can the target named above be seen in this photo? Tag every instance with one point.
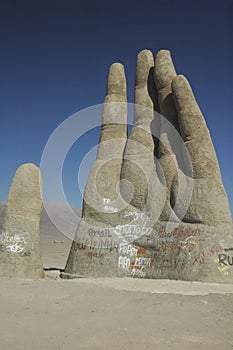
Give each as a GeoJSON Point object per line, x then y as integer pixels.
{"type": "Point", "coordinates": [54, 61]}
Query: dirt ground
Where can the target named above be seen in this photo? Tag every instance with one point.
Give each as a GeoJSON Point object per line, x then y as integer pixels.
{"type": "Point", "coordinates": [112, 314]}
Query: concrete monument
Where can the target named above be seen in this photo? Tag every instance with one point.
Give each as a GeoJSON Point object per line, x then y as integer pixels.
{"type": "Point", "coordinates": [154, 205]}
{"type": "Point", "coordinates": [19, 239]}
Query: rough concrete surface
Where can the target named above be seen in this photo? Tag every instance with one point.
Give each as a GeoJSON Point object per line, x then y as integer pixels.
{"type": "Point", "coordinates": [19, 236]}
{"type": "Point", "coordinates": [172, 213]}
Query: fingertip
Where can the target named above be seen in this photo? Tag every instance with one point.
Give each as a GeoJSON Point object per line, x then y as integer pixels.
{"type": "Point", "coordinates": [116, 66]}
{"type": "Point", "coordinates": [182, 92]}
{"type": "Point", "coordinates": [163, 52]}
{"type": "Point", "coordinates": [179, 81]}
{"type": "Point", "coordinates": [116, 79]}
{"type": "Point", "coordinates": [145, 61]}
{"type": "Point", "coordinates": [164, 69]}
{"type": "Point", "coordinates": [145, 54]}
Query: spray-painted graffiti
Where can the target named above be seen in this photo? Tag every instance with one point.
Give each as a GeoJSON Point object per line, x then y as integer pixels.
{"type": "Point", "coordinates": [127, 249]}
{"type": "Point", "coordinates": [178, 234]}
{"type": "Point", "coordinates": [140, 273]}
{"type": "Point", "coordinates": [174, 246]}
{"type": "Point", "coordinates": [97, 255]}
{"type": "Point", "coordinates": [187, 250]}
{"type": "Point", "coordinates": [139, 225]}
{"type": "Point", "coordinates": [133, 261]}
{"type": "Point", "coordinates": [13, 243]}
{"type": "Point", "coordinates": [138, 215]}
{"type": "Point", "coordinates": [124, 263]}
{"type": "Point", "coordinates": [226, 258]}
{"type": "Point", "coordinates": [132, 231]}
{"type": "Point", "coordinates": [108, 207]}
{"type": "Point", "coordinates": [83, 243]}
{"type": "Point", "coordinates": [175, 250]}
{"type": "Point", "coordinates": [142, 261]}
{"type": "Point", "coordinates": [99, 233]}
{"type": "Point", "coordinates": [206, 254]}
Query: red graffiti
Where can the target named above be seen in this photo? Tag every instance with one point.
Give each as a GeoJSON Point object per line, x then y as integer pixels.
{"type": "Point", "coordinates": [207, 253]}
{"type": "Point", "coordinates": [97, 255]}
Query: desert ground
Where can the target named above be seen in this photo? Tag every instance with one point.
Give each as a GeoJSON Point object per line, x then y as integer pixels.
{"type": "Point", "coordinates": [112, 313]}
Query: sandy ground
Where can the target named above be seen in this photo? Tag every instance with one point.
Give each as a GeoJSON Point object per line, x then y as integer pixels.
{"type": "Point", "coordinates": [112, 314]}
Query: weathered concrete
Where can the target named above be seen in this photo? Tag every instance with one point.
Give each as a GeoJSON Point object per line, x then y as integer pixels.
{"type": "Point", "coordinates": [139, 168]}
{"type": "Point", "coordinates": [177, 226]}
{"type": "Point", "coordinates": [19, 246]}
{"type": "Point", "coordinates": [102, 198]}
{"type": "Point", "coordinates": [102, 189]}
{"type": "Point", "coordinates": [164, 73]}
{"type": "Point", "coordinates": [191, 252]}
{"type": "Point", "coordinates": [209, 204]}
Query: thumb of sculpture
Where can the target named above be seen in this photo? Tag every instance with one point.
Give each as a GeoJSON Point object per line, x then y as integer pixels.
{"type": "Point", "coordinates": [19, 238]}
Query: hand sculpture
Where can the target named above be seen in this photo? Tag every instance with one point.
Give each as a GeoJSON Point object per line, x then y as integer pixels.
{"type": "Point", "coordinates": [19, 235]}
{"type": "Point", "coordinates": [154, 204]}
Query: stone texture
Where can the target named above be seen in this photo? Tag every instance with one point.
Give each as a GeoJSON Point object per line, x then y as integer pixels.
{"type": "Point", "coordinates": [19, 246]}
{"type": "Point", "coordinates": [191, 252]}
{"type": "Point", "coordinates": [164, 73]}
{"type": "Point", "coordinates": [172, 217]}
{"type": "Point", "coordinates": [102, 189]}
{"type": "Point", "coordinates": [209, 204]}
{"type": "Point", "coordinates": [102, 198]}
{"type": "Point", "coordinates": [139, 168]}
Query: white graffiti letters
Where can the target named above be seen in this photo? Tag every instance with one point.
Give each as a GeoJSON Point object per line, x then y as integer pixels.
{"type": "Point", "coordinates": [14, 244]}
{"type": "Point", "coordinates": [132, 230]}
{"type": "Point", "coordinates": [124, 263]}
{"type": "Point", "coordinates": [138, 273]}
{"type": "Point", "coordinates": [127, 249]}
{"type": "Point", "coordinates": [132, 261]}
{"type": "Point", "coordinates": [141, 261]}
{"type": "Point", "coordinates": [107, 206]}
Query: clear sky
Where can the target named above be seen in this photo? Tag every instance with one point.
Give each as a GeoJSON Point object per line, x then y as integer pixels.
{"type": "Point", "coordinates": [54, 61]}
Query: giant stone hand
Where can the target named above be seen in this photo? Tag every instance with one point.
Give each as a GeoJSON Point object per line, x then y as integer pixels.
{"type": "Point", "coordinates": [154, 204]}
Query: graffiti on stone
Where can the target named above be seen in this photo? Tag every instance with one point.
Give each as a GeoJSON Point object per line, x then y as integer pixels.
{"type": "Point", "coordinates": [13, 243]}
{"type": "Point", "coordinates": [108, 207]}
{"type": "Point", "coordinates": [226, 258]}
{"type": "Point", "coordinates": [133, 260]}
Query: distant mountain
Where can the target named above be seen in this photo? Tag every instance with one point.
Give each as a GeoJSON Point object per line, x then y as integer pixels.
{"type": "Point", "coordinates": [64, 217]}
{"type": "Point", "coordinates": [61, 214]}
{"type": "Point", "coordinates": [2, 210]}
